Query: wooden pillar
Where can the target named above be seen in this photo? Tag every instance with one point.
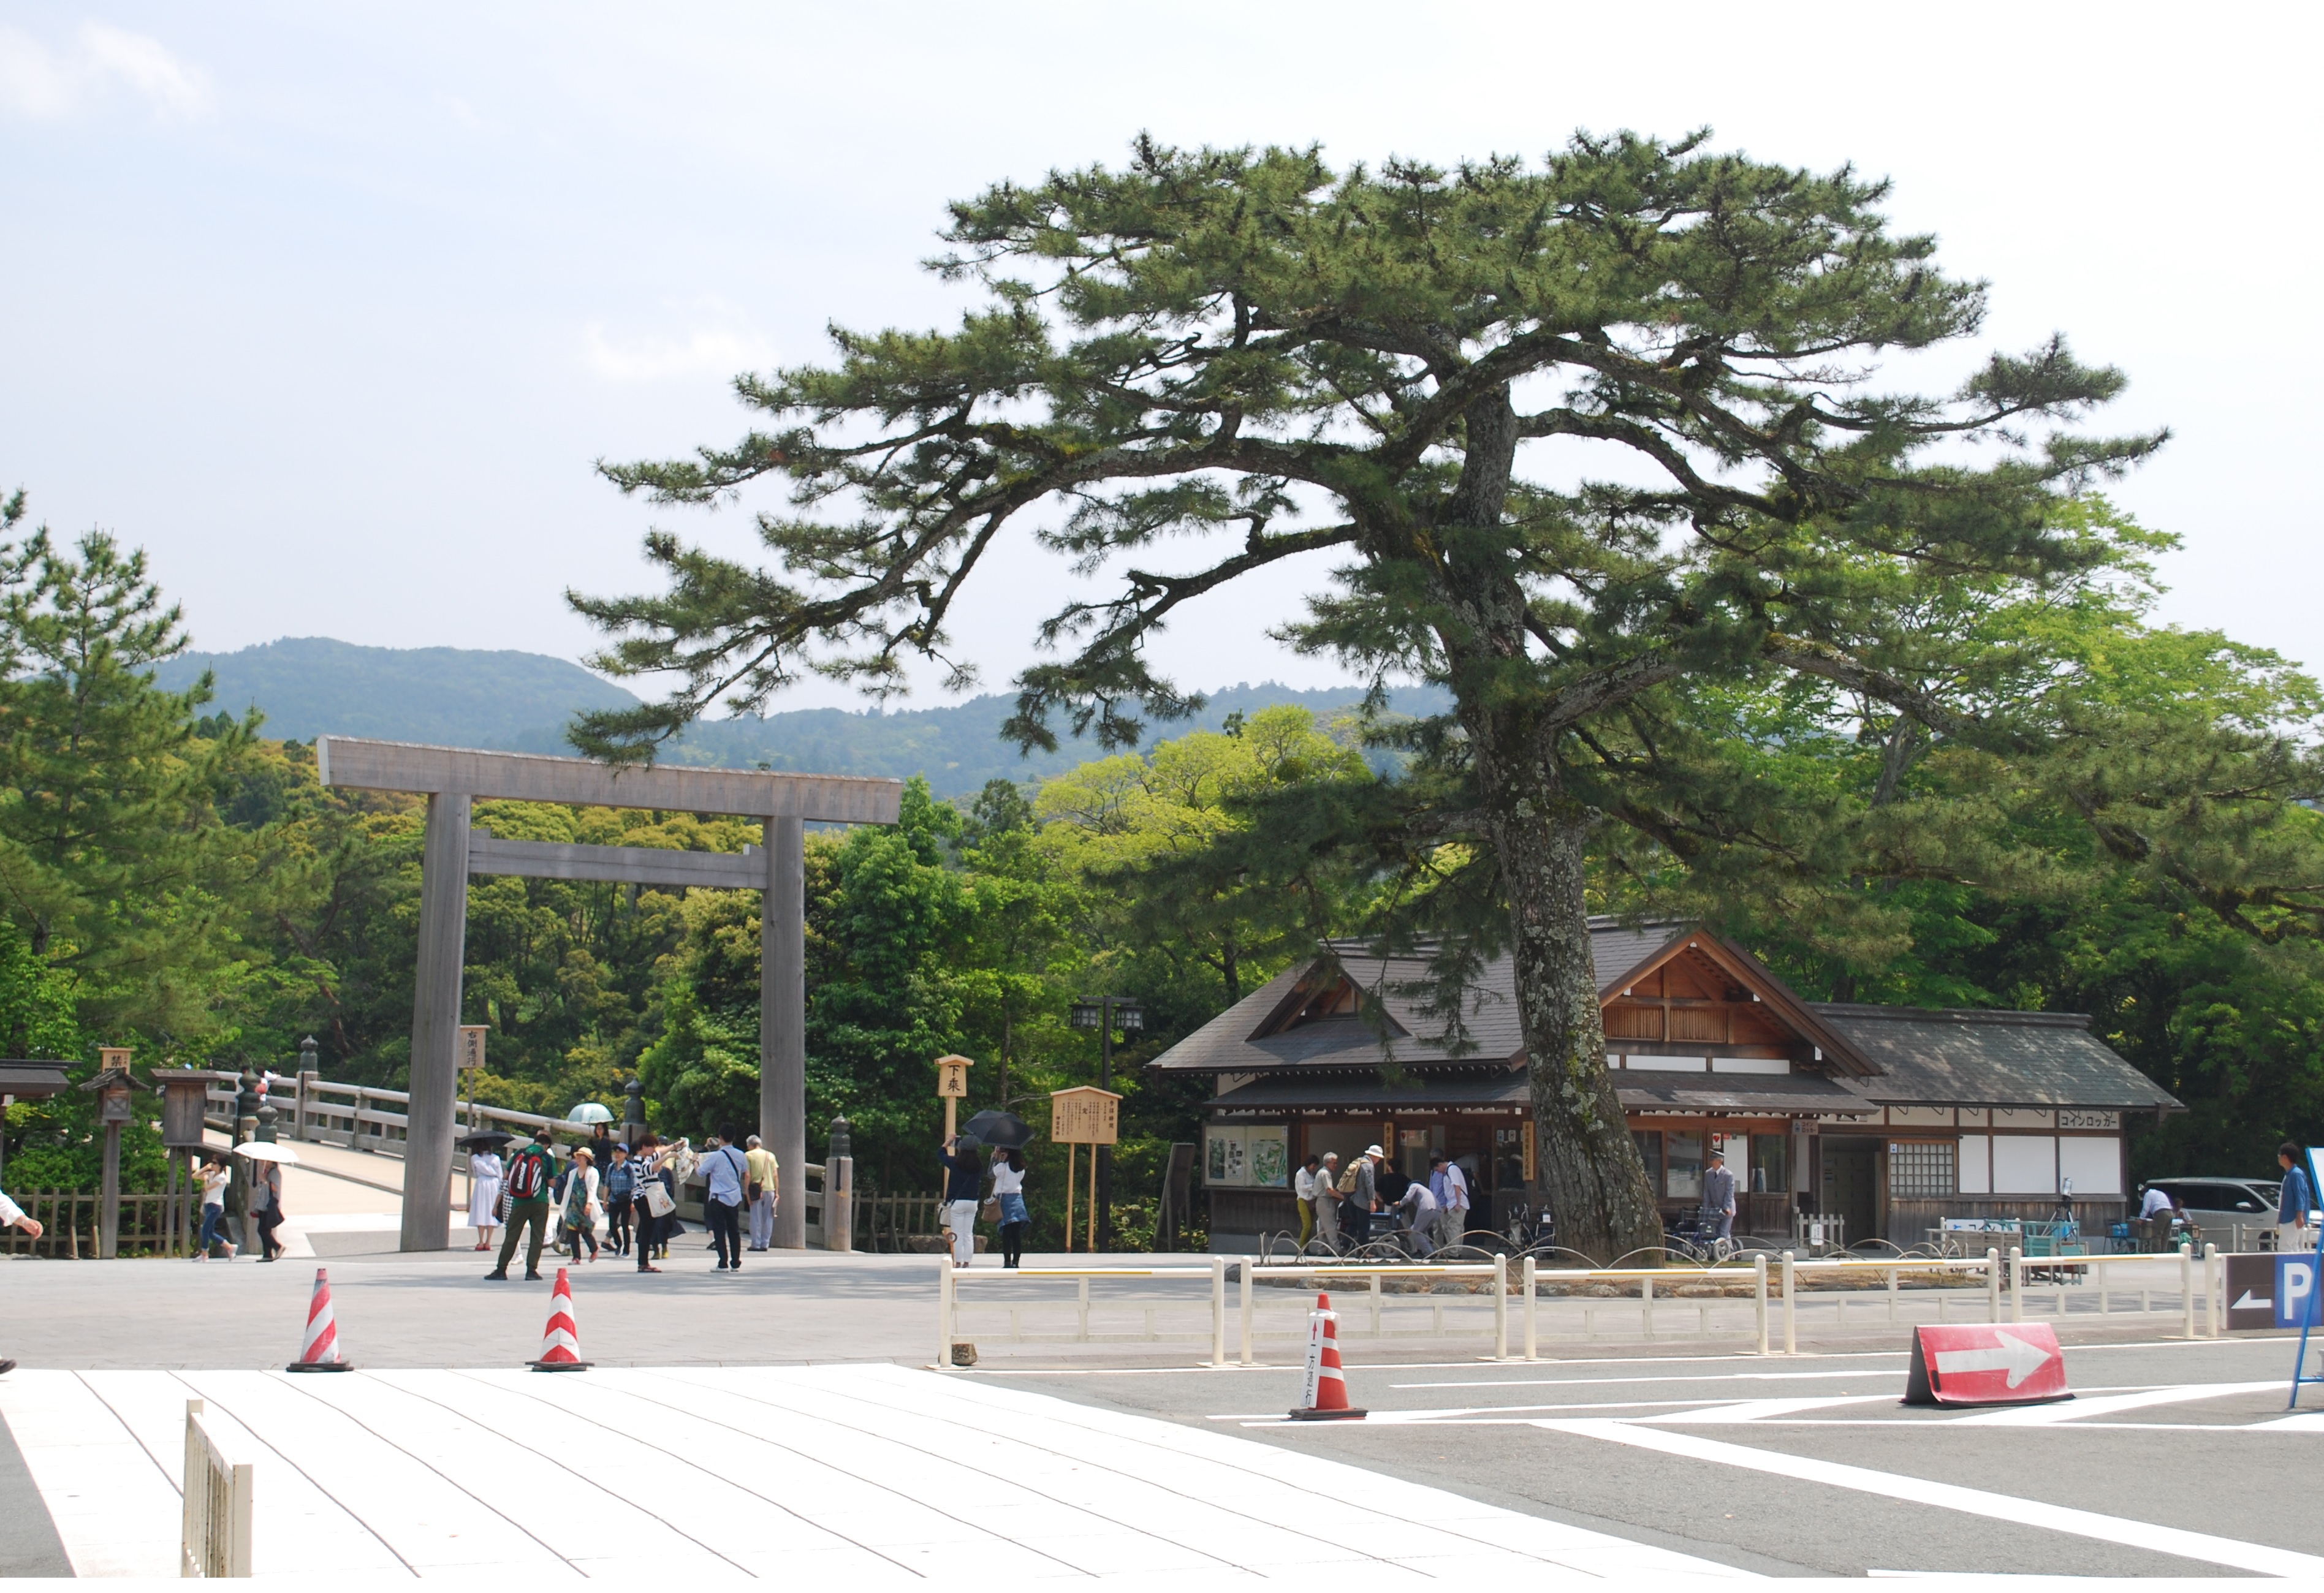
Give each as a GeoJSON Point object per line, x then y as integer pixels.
{"type": "Point", "coordinates": [436, 1023]}
{"type": "Point", "coordinates": [109, 1221]}
{"type": "Point", "coordinates": [782, 1022]}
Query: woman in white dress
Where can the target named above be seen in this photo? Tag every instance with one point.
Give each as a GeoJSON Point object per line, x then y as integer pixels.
{"type": "Point", "coordinates": [484, 1196]}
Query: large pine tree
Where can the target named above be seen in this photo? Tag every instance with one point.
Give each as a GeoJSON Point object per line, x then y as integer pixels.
{"type": "Point", "coordinates": [1578, 431]}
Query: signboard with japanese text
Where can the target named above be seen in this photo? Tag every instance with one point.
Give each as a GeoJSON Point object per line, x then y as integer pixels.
{"type": "Point", "coordinates": [471, 1045]}
{"type": "Point", "coordinates": [1084, 1115]}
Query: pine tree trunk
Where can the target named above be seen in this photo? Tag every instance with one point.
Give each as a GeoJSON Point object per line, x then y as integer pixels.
{"type": "Point", "coordinates": [1587, 1164]}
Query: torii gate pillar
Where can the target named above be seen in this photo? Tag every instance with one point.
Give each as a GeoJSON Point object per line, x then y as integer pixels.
{"type": "Point", "coordinates": [782, 1026]}
{"type": "Point", "coordinates": [454, 777]}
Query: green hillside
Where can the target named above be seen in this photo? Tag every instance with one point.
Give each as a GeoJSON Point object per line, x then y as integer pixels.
{"type": "Point", "coordinates": [520, 702]}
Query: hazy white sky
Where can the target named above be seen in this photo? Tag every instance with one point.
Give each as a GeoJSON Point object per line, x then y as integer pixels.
{"type": "Point", "coordinates": [331, 307]}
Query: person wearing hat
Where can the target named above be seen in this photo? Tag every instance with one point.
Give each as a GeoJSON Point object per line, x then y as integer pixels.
{"type": "Point", "coordinates": [1357, 1207]}
{"type": "Point", "coordinates": [1719, 1197]}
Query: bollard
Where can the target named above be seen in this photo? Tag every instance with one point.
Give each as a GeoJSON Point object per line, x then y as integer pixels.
{"type": "Point", "coordinates": [1790, 1333]}
{"type": "Point", "coordinates": [1501, 1307]}
{"type": "Point", "coordinates": [2016, 1285]}
{"type": "Point", "coordinates": [1646, 1303]}
{"type": "Point", "coordinates": [1993, 1283]}
{"type": "Point", "coordinates": [2211, 1288]}
{"type": "Point", "coordinates": [944, 1311]}
{"type": "Point", "coordinates": [1892, 1294]}
{"type": "Point", "coordinates": [1218, 1310]}
{"type": "Point", "coordinates": [1247, 1310]}
{"type": "Point", "coordinates": [1532, 1338]}
{"type": "Point", "coordinates": [1759, 1296]}
{"type": "Point", "coordinates": [2187, 1289]}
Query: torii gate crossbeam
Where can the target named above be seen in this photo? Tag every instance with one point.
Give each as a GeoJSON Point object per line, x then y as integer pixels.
{"type": "Point", "coordinates": [453, 778]}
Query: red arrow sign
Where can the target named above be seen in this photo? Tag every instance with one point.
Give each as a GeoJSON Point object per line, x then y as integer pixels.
{"type": "Point", "coordinates": [2017, 1363]}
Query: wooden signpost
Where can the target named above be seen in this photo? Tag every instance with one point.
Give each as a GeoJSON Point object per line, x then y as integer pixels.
{"type": "Point", "coordinates": [951, 1085]}
{"type": "Point", "coordinates": [1084, 1115]}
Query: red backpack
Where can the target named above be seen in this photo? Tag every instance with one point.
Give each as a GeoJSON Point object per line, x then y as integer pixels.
{"type": "Point", "coordinates": [528, 1173]}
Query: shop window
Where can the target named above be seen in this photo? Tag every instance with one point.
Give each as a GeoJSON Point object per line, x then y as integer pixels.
{"type": "Point", "coordinates": [1771, 1172]}
{"type": "Point", "coordinates": [1508, 1158]}
{"type": "Point", "coordinates": [1684, 1170]}
{"type": "Point", "coordinates": [1919, 1168]}
{"type": "Point", "coordinates": [1650, 1151]}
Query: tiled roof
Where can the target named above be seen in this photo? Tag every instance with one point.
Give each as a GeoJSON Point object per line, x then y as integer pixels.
{"type": "Point", "coordinates": [1968, 1058]}
{"type": "Point", "coordinates": [1954, 1058]}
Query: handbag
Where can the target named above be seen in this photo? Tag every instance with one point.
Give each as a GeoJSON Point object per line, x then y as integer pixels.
{"type": "Point", "coordinates": [991, 1210]}
{"type": "Point", "coordinates": [656, 1198]}
{"type": "Point", "coordinates": [501, 1207]}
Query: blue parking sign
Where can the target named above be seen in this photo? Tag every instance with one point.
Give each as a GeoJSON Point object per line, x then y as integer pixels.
{"type": "Point", "coordinates": [2296, 1294]}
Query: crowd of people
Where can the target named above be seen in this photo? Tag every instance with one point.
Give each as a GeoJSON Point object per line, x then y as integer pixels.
{"type": "Point", "coordinates": [629, 1193]}
{"type": "Point", "coordinates": [1371, 1201]}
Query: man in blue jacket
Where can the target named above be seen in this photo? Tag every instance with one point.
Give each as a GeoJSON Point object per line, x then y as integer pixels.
{"type": "Point", "coordinates": [2297, 1201]}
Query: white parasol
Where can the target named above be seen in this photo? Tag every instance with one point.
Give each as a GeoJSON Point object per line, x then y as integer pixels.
{"type": "Point", "coordinates": [262, 1150]}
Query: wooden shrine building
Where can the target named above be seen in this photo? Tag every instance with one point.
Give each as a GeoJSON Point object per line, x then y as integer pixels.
{"type": "Point", "coordinates": [1892, 1118]}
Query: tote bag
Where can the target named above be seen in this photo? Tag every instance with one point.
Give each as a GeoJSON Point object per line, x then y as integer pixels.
{"type": "Point", "coordinates": [656, 1198]}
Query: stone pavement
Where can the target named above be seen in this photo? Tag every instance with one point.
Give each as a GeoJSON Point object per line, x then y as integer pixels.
{"type": "Point", "coordinates": [870, 1473]}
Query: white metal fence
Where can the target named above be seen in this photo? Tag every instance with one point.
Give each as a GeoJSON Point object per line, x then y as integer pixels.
{"type": "Point", "coordinates": [1760, 1304]}
{"type": "Point", "coordinates": [216, 1539]}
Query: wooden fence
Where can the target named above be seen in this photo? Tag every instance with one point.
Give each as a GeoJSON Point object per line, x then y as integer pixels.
{"type": "Point", "coordinates": [151, 1225]}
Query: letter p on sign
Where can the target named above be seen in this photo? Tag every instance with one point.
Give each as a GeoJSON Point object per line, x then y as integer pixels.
{"type": "Point", "coordinates": [2295, 1291]}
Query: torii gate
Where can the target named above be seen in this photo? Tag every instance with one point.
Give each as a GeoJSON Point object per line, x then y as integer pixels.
{"type": "Point", "coordinates": [454, 777]}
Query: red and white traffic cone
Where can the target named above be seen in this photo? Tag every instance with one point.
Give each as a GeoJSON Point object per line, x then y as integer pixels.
{"type": "Point", "coordinates": [560, 1343]}
{"type": "Point", "coordinates": [1327, 1383]}
{"type": "Point", "coordinates": [319, 1351]}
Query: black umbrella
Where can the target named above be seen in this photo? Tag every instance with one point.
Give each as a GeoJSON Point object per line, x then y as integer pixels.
{"type": "Point", "coordinates": [1005, 1130]}
{"type": "Point", "coordinates": [491, 1140]}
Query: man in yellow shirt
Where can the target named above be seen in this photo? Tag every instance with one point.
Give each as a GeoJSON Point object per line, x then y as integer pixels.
{"type": "Point", "coordinates": [765, 1174]}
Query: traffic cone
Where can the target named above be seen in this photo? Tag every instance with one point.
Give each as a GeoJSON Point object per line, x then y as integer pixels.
{"type": "Point", "coordinates": [560, 1342]}
{"type": "Point", "coordinates": [1327, 1383]}
{"type": "Point", "coordinates": [319, 1351]}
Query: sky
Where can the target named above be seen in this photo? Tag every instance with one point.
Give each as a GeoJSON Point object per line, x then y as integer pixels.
{"type": "Point", "coordinates": [332, 308]}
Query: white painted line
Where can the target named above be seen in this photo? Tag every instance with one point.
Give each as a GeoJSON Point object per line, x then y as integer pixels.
{"type": "Point", "coordinates": [1761, 1410]}
{"type": "Point", "coordinates": [2083, 1409]}
{"type": "Point", "coordinates": [1690, 1378]}
{"type": "Point", "coordinates": [2259, 1558]}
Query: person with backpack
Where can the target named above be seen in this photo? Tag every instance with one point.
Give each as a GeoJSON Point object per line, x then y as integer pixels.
{"type": "Point", "coordinates": [525, 1187]}
{"type": "Point", "coordinates": [725, 1171]}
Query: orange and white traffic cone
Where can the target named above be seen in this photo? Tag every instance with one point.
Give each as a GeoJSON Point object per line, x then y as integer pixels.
{"type": "Point", "coordinates": [1327, 1383]}
{"type": "Point", "coordinates": [318, 1350]}
{"type": "Point", "coordinates": [560, 1343]}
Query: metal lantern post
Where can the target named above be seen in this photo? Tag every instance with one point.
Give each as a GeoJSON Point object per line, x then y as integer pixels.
{"type": "Point", "coordinates": [1103, 1014]}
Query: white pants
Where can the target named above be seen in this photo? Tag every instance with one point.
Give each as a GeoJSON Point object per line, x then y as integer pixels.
{"type": "Point", "coordinates": [1451, 1224]}
{"type": "Point", "coordinates": [960, 1216]}
{"type": "Point", "coordinates": [762, 1221]}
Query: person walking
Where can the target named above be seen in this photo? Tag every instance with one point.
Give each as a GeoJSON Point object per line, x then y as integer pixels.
{"type": "Point", "coordinates": [1356, 1206]}
{"type": "Point", "coordinates": [1303, 1191]}
{"type": "Point", "coordinates": [725, 1172]}
{"type": "Point", "coordinates": [266, 1207]}
{"type": "Point", "coordinates": [12, 1215]}
{"type": "Point", "coordinates": [532, 1170]}
{"type": "Point", "coordinates": [652, 1168]}
{"type": "Point", "coordinates": [1450, 1185]}
{"type": "Point", "coordinates": [215, 1177]}
{"type": "Point", "coordinates": [963, 1174]}
{"type": "Point", "coordinates": [621, 1187]}
{"type": "Point", "coordinates": [2293, 1206]}
{"type": "Point", "coordinates": [766, 1179]}
{"type": "Point", "coordinates": [582, 1205]}
{"type": "Point", "coordinates": [1008, 1189]}
{"type": "Point", "coordinates": [1326, 1200]}
{"type": "Point", "coordinates": [1719, 1199]}
{"type": "Point", "coordinates": [484, 1196]}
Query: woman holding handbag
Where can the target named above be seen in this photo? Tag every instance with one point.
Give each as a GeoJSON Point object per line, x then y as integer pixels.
{"type": "Point", "coordinates": [1007, 1206]}
{"type": "Point", "coordinates": [655, 1200]}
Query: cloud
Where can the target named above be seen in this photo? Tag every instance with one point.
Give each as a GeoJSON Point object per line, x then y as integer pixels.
{"type": "Point", "coordinates": [709, 350]}
{"type": "Point", "coordinates": [42, 83]}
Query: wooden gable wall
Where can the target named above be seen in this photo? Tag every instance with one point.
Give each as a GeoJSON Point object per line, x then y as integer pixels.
{"type": "Point", "coordinates": [1691, 1001]}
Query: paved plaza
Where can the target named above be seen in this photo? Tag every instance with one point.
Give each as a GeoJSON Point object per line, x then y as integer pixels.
{"type": "Point", "coordinates": [786, 1419]}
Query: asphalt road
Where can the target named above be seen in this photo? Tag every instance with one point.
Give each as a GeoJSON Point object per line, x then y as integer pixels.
{"type": "Point", "coordinates": [2165, 1439]}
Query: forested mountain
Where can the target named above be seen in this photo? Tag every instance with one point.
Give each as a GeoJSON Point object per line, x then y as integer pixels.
{"type": "Point", "coordinates": [519, 701]}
